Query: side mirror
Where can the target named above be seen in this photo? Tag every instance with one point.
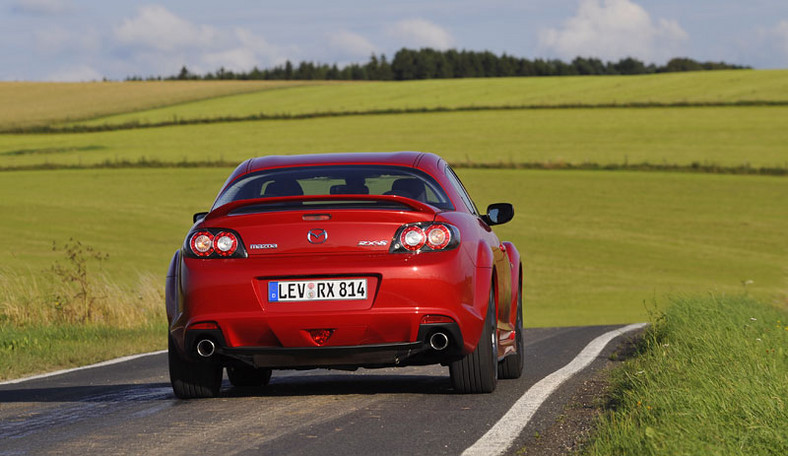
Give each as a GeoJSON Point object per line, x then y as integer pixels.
{"type": "Point", "coordinates": [498, 213]}
{"type": "Point", "coordinates": [199, 216]}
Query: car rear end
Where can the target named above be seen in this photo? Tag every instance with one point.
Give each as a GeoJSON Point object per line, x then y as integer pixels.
{"type": "Point", "coordinates": [331, 272]}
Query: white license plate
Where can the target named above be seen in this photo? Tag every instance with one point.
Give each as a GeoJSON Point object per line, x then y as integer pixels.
{"type": "Point", "coordinates": [317, 290]}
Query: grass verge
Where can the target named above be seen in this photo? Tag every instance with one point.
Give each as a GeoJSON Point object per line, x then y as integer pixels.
{"type": "Point", "coordinates": [68, 316]}
{"type": "Point", "coordinates": [37, 349]}
{"type": "Point", "coordinates": [711, 378]}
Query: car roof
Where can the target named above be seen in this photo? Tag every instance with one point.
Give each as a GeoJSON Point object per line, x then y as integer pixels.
{"type": "Point", "coordinates": [357, 158]}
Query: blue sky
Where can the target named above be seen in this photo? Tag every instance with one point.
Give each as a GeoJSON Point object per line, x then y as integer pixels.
{"type": "Point", "coordinates": [77, 40]}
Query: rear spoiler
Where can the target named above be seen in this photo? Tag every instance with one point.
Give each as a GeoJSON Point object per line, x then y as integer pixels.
{"type": "Point", "coordinates": [225, 209]}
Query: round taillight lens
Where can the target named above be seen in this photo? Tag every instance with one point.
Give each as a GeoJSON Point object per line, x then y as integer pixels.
{"type": "Point", "coordinates": [225, 243]}
{"type": "Point", "coordinates": [438, 237]}
{"type": "Point", "coordinates": [412, 238]}
{"type": "Point", "coordinates": [202, 243]}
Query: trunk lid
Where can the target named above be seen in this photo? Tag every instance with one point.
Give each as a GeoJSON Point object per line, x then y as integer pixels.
{"type": "Point", "coordinates": [319, 225]}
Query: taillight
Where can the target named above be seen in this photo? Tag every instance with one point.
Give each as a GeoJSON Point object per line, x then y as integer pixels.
{"type": "Point", "coordinates": [202, 243]}
{"type": "Point", "coordinates": [412, 238]}
{"type": "Point", "coordinates": [226, 243]}
{"type": "Point", "coordinates": [425, 237]}
{"type": "Point", "coordinates": [215, 243]}
{"type": "Point", "coordinates": [438, 236]}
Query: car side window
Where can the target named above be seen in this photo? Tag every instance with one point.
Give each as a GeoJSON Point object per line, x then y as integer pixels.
{"type": "Point", "coordinates": [457, 184]}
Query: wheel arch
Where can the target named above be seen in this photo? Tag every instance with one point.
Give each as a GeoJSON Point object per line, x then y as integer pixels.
{"type": "Point", "coordinates": [485, 283]}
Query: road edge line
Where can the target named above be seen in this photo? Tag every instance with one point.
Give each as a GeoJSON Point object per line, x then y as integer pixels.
{"type": "Point", "coordinates": [500, 437]}
{"type": "Point", "coordinates": [110, 362]}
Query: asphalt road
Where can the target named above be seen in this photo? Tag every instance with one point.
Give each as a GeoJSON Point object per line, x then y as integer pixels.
{"type": "Point", "coordinates": [129, 408]}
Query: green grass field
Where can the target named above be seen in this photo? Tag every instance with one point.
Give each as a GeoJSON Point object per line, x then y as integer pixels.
{"type": "Point", "coordinates": [596, 244]}
{"type": "Point", "coordinates": [27, 104]}
{"type": "Point", "coordinates": [729, 136]}
{"type": "Point", "coordinates": [700, 87]}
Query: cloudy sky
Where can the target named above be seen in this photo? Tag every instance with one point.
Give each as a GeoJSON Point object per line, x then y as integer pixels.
{"type": "Point", "coordinates": [74, 40]}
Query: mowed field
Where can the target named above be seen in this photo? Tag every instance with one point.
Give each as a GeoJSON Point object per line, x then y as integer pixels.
{"type": "Point", "coordinates": [305, 99]}
{"type": "Point", "coordinates": [30, 104]}
{"type": "Point", "coordinates": [598, 246]}
{"type": "Point", "coordinates": [730, 136]}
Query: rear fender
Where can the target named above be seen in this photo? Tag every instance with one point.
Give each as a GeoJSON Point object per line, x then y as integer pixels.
{"type": "Point", "coordinates": [484, 258]}
{"type": "Point", "coordinates": [472, 329]}
{"type": "Point", "coordinates": [516, 270]}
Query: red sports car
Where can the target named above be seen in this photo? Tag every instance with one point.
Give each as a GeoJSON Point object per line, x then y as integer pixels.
{"type": "Point", "coordinates": [344, 261]}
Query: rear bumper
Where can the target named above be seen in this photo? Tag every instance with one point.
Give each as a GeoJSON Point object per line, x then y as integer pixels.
{"type": "Point", "coordinates": [342, 357]}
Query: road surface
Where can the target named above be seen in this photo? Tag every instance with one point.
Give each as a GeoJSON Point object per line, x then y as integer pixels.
{"type": "Point", "coordinates": [129, 408]}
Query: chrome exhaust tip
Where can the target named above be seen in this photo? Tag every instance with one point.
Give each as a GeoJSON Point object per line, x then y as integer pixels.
{"type": "Point", "coordinates": [206, 348]}
{"type": "Point", "coordinates": [439, 341]}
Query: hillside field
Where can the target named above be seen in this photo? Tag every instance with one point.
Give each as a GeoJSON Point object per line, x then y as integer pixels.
{"type": "Point", "coordinates": [730, 136]}
{"type": "Point", "coordinates": [154, 102]}
{"type": "Point", "coordinates": [595, 245]}
{"type": "Point", "coordinates": [599, 247]}
{"type": "Point", "coordinates": [27, 104]}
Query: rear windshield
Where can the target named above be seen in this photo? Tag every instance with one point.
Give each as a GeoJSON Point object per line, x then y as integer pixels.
{"type": "Point", "coordinates": [337, 180]}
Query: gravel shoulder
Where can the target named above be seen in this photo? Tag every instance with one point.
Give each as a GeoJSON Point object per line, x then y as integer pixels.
{"type": "Point", "coordinates": [564, 431]}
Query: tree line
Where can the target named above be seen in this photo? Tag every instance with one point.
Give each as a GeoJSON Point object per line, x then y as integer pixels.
{"type": "Point", "coordinates": [410, 64]}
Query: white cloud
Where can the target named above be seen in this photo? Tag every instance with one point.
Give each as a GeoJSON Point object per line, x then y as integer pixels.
{"type": "Point", "coordinates": [350, 45]}
{"type": "Point", "coordinates": [162, 41]}
{"type": "Point", "coordinates": [767, 45]}
{"type": "Point", "coordinates": [157, 28]}
{"type": "Point", "coordinates": [42, 7]}
{"type": "Point", "coordinates": [614, 29]}
{"type": "Point", "coordinates": [77, 73]}
{"type": "Point", "coordinates": [419, 33]}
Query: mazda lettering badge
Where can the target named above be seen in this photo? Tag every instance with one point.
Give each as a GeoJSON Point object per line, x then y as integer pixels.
{"type": "Point", "coordinates": [317, 236]}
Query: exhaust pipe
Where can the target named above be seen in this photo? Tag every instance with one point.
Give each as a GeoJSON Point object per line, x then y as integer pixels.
{"type": "Point", "coordinates": [439, 341]}
{"type": "Point", "coordinates": [206, 348]}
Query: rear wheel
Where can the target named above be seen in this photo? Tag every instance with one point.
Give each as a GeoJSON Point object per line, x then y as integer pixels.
{"type": "Point", "coordinates": [512, 366]}
{"type": "Point", "coordinates": [193, 379]}
{"type": "Point", "coordinates": [248, 376]}
{"type": "Point", "coordinates": [478, 371]}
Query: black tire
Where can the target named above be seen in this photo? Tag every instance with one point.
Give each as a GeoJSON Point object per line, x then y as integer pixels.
{"type": "Point", "coordinates": [478, 371]}
{"type": "Point", "coordinates": [192, 380]}
{"type": "Point", "coordinates": [512, 366]}
{"type": "Point", "coordinates": [244, 376]}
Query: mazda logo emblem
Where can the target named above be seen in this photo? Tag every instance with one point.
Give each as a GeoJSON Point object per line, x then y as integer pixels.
{"type": "Point", "coordinates": [317, 236]}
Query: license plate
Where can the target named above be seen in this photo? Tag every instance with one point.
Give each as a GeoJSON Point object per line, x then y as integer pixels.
{"type": "Point", "coordinates": [317, 290]}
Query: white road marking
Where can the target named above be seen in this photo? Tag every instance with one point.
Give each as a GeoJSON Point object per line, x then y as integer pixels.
{"type": "Point", "coordinates": [500, 437]}
{"type": "Point", "coordinates": [67, 371]}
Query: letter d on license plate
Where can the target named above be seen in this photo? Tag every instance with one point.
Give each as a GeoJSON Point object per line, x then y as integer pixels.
{"type": "Point", "coordinates": [317, 290]}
